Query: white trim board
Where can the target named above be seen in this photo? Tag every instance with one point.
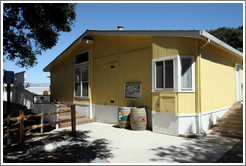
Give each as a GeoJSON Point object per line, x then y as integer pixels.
{"type": "Point", "coordinates": [175, 124]}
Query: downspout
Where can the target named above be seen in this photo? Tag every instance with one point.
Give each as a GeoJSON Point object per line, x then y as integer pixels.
{"type": "Point", "coordinates": [200, 107]}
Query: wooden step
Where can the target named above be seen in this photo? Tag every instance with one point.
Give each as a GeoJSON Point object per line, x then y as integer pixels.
{"type": "Point", "coordinates": [62, 105]}
{"type": "Point", "coordinates": [234, 114]}
{"type": "Point", "coordinates": [227, 129]}
{"type": "Point", "coordinates": [66, 109]}
{"type": "Point", "coordinates": [79, 121]}
{"type": "Point", "coordinates": [65, 117]}
{"type": "Point", "coordinates": [229, 123]}
{"type": "Point", "coordinates": [227, 134]}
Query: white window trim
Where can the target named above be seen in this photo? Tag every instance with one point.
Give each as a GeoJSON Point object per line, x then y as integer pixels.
{"type": "Point", "coordinates": [177, 74]}
{"type": "Point", "coordinates": [192, 89]}
{"type": "Point", "coordinates": [82, 97]}
{"type": "Point", "coordinates": [82, 62]}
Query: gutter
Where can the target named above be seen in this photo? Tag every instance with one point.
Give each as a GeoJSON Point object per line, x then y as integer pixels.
{"type": "Point", "coordinates": [220, 43]}
{"type": "Point", "coordinates": [200, 130]}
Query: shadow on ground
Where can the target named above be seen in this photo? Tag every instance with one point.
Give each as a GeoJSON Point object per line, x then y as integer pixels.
{"type": "Point", "coordinates": [77, 151]}
{"type": "Point", "coordinates": [199, 150]}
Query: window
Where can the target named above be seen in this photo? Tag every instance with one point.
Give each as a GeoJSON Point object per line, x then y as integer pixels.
{"type": "Point", "coordinates": [164, 80]}
{"type": "Point", "coordinates": [82, 57]}
{"type": "Point", "coordinates": [159, 75]}
{"type": "Point", "coordinates": [168, 74]}
{"type": "Point", "coordinates": [81, 81]}
{"type": "Point", "coordinates": [173, 74]}
{"type": "Point", "coordinates": [186, 73]}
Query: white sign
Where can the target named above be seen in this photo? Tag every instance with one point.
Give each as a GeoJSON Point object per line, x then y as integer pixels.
{"type": "Point", "coordinates": [133, 91]}
{"type": "Point", "coordinates": [41, 99]}
{"type": "Point", "coordinates": [9, 77]}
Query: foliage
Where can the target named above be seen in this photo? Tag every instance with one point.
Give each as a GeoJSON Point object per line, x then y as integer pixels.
{"type": "Point", "coordinates": [29, 28]}
{"type": "Point", "coordinates": [231, 36]}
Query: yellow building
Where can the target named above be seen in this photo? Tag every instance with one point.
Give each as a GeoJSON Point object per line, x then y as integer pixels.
{"type": "Point", "coordinates": [186, 80]}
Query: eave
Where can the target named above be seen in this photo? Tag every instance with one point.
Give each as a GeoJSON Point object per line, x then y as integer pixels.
{"type": "Point", "coordinates": [194, 33]}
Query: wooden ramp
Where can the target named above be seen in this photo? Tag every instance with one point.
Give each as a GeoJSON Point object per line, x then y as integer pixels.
{"type": "Point", "coordinates": [231, 124]}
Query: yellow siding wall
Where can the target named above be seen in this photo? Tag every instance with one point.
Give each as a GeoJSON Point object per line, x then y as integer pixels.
{"type": "Point", "coordinates": [186, 103]}
{"type": "Point", "coordinates": [100, 89]}
{"type": "Point", "coordinates": [217, 78]}
{"type": "Point", "coordinates": [171, 46]}
{"type": "Point", "coordinates": [62, 75]}
{"type": "Point", "coordinates": [134, 67]}
{"type": "Point", "coordinates": [62, 79]}
{"type": "Point", "coordinates": [125, 52]}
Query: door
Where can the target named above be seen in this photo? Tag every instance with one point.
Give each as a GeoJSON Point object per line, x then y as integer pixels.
{"type": "Point", "coordinates": [112, 84]}
{"type": "Point", "coordinates": [238, 82]}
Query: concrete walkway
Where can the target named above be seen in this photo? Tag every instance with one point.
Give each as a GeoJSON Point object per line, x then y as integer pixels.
{"type": "Point", "coordinates": [128, 146]}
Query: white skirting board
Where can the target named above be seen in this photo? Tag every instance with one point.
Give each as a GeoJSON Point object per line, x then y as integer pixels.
{"type": "Point", "coordinates": [109, 114]}
{"type": "Point", "coordinates": [176, 124]}
{"type": "Point", "coordinates": [167, 123]}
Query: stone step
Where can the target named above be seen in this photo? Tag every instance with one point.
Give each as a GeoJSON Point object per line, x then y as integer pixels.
{"type": "Point", "coordinates": [79, 121]}
{"type": "Point", "coordinates": [65, 117]}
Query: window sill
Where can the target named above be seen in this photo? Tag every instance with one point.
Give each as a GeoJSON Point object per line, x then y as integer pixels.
{"type": "Point", "coordinates": [177, 91]}
{"type": "Point", "coordinates": [77, 97]}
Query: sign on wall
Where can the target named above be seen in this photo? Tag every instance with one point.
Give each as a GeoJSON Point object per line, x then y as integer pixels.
{"type": "Point", "coordinates": [41, 99]}
{"type": "Point", "coordinates": [133, 91]}
{"type": "Point", "coordinates": [9, 77]}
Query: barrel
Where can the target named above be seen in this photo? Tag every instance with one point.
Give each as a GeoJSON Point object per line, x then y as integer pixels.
{"type": "Point", "coordinates": [124, 117]}
{"type": "Point", "coordinates": [138, 119]}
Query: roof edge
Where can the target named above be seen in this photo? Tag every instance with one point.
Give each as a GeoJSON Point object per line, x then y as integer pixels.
{"type": "Point", "coordinates": [181, 33]}
{"type": "Point", "coordinates": [71, 45]}
{"type": "Point", "coordinates": [222, 44]}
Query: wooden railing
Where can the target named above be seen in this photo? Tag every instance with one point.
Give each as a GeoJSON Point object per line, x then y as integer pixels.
{"type": "Point", "coordinates": [22, 117]}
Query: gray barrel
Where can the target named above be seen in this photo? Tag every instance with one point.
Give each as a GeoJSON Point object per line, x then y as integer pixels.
{"type": "Point", "coordinates": [138, 119]}
{"type": "Point", "coordinates": [124, 117]}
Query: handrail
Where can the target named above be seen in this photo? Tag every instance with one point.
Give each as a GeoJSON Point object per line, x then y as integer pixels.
{"type": "Point", "coordinates": [22, 117]}
{"type": "Point", "coordinates": [35, 115]}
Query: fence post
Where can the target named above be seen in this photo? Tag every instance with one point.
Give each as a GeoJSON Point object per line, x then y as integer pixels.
{"type": "Point", "coordinates": [21, 112]}
{"type": "Point", "coordinates": [73, 120]}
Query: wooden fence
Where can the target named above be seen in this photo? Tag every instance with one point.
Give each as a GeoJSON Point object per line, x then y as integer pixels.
{"type": "Point", "coordinates": [22, 117]}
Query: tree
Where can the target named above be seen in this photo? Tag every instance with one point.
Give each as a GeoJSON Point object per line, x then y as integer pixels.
{"type": "Point", "coordinates": [30, 28]}
{"type": "Point", "coordinates": [231, 36]}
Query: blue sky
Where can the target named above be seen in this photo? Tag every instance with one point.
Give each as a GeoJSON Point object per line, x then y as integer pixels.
{"type": "Point", "coordinates": [136, 16]}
